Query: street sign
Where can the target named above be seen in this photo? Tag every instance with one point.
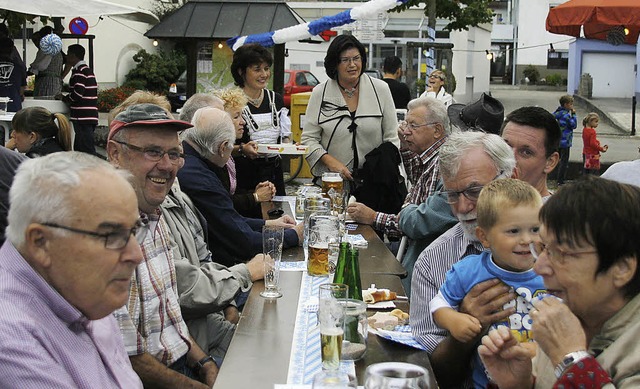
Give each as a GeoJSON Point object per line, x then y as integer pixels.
{"type": "Point", "coordinates": [326, 35]}
{"type": "Point", "coordinates": [370, 30]}
{"type": "Point", "coordinates": [78, 26]}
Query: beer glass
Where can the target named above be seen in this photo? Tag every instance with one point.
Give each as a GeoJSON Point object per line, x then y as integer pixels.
{"type": "Point", "coordinates": [331, 180]}
{"type": "Point", "coordinates": [396, 375]}
{"type": "Point", "coordinates": [331, 313]}
{"type": "Point", "coordinates": [323, 229]}
{"type": "Point", "coordinates": [272, 239]}
{"type": "Point", "coordinates": [313, 204]}
{"type": "Point", "coordinates": [334, 379]}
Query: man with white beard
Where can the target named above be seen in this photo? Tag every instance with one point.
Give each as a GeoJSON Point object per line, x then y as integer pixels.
{"type": "Point", "coordinates": [468, 161]}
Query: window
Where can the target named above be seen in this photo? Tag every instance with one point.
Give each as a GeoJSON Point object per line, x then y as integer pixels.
{"type": "Point", "coordinates": [557, 59]}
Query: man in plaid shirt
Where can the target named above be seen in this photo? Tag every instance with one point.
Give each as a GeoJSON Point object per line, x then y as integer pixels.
{"type": "Point", "coordinates": [421, 135]}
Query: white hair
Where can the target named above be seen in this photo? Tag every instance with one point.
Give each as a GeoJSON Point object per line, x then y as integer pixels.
{"type": "Point", "coordinates": [197, 101]}
{"type": "Point", "coordinates": [436, 111]}
{"type": "Point", "coordinates": [42, 190]}
{"type": "Point", "coordinates": [211, 128]}
{"type": "Point", "coordinates": [458, 145]}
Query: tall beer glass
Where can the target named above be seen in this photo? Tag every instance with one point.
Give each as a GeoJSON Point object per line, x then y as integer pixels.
{"type": "Point", "coordinates": [331, 313]}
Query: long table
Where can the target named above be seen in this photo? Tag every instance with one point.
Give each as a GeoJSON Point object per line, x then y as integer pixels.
{"type": "Point", "coordinates": [259, 354]}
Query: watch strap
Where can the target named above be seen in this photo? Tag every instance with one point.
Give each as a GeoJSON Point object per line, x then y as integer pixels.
{"type": "Point", "coordinates": [569, 360]}
{"type": "Point", "coordinates": [200, 364]}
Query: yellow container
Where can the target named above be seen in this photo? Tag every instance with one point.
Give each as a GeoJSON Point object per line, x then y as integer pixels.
{"type": "Point", "coordinates": [299, 103]}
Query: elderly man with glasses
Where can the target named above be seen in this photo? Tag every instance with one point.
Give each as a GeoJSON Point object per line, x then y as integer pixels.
{"type": "Point", "coordinates": [143, 139]}
{"type": "Point", "coordinates": [468, 161]}
{"type": "Point", "coordinates": [422, 134]}
{"type": "Point", "coordinates": [72, 247]}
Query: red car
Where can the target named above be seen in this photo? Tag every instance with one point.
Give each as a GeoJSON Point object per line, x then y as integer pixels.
{"type": "Point", "coordinates": [297, 81]}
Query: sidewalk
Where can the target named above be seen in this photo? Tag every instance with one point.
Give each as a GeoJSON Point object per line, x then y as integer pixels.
{"type": "Point", "coordinates": [615, 111]}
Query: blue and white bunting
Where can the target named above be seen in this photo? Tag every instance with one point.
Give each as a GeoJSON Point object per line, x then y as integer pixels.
{"type": "Point", "coordinates": [307, 30]}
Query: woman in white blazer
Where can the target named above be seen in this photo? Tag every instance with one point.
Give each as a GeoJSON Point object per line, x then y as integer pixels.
{"type": "Point", "coordinates": [350, 112]}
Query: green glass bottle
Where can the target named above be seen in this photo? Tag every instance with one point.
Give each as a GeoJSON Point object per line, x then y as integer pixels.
{"type": "Point", "coordinates": [348, 270]}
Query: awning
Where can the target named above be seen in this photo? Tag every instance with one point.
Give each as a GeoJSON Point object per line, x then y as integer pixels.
{"type": "Point", "coordinates": [69, 8]}
{"type": "Point", "coordinates": [217, 19]}
{"type": "Point", "coordinates": [601, 19]}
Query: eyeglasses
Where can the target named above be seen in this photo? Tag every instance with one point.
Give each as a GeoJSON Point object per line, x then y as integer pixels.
{"type": "Point", "coordinates": [404, 125]}
{"type": "Point", "coordinates": [155, 154]}
{"type": "Point", "coordinates": [115, 240]}
{"type": "Point", "coordinates": [436, 76]}
{"type": "Point", "coordinates": [347, 60]}
{"type": "Point", "coordinates": [472, 193]}
{"type": "Point", "coordinates": [555, 254]}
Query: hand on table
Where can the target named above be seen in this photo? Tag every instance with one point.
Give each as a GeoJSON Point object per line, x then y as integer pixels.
{"type": "Point", "coordinates": [361, 213]}
{"type": "Point", "coordinates": [209, 373]}
{"type": "Point", "coordinates": [507, 362]}
{"type": "Point", "coordinates": [285, 221]}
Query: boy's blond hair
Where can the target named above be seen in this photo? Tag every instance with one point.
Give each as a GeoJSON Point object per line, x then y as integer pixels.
{"type": "Point", "coordinates": [503, 194]}
{"type": "Point", "coordinates": [234, 98]}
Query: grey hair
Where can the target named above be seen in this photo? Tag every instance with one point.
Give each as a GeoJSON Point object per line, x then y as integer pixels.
{"type": "Point", "coordinates": [459, 144]}
{"type": "Point", "coordinates": [211, 128]}
{"type": "Point", "coordinates": [42, 190]}
{"type": "Point", "coordinates": [436, 111]}
{"type": "Point", "coordinates": [197, 101]}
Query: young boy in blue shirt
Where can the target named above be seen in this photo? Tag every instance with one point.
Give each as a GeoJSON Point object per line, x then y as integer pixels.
{"type": "Point", "coordinates": [507, 212]}
{"type": "Point", "coordinates": [566, 117]}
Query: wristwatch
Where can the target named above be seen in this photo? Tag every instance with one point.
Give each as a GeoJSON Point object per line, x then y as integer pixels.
{"type": "Point", "coordinates": [568, 360]}
{"type": "Point", "coordinates": [200, 364]}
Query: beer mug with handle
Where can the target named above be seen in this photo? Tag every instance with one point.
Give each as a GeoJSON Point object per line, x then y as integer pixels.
{"type": "Point", "coordinates": [396, 375]}
{"type": "Point", "coordinates": [323, 229]}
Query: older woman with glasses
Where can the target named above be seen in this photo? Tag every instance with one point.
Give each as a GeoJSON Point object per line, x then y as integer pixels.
{"type": "Point", "coordinates": [349, 115]}
{"type": "Point", "coordinates": [435, 88]}
{"type": "Point", "coordinates": [588, 330]}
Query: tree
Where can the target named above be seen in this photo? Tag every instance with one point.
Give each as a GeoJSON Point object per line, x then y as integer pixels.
{"type": "Point", "coordinates": [461, 13]}
{"type": "Point", "coordinates": [154, 72]}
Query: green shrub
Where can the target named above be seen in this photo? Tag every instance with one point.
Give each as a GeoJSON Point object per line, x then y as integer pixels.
{"type": "Point", "coordinates": [531, 73]}
{"type": "Point", "coordinates": [110, 98]}
{"type": "Point", "coordinates": [154, 72]}
{"type": "Point", "coordinates": [554, 79]}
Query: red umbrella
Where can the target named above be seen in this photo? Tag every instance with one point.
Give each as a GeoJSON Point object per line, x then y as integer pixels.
{"type": "Point", "coordinates": [616, 21]}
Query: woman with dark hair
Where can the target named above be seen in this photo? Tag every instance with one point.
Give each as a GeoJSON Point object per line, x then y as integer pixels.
{"type": "Point", "coordinates": [349, 115]}
{"type": "Point", "coordinates": [587, 331]}
{"type": "Point", "coordinates": [265, 116]}
{"type": "Point", "coordinates": [36, 133]}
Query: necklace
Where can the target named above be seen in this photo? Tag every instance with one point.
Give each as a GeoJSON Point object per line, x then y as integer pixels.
{"type": "Point", "coordinates": [349, 92]}
{"type": "Point", "coordinates": [255, 102]}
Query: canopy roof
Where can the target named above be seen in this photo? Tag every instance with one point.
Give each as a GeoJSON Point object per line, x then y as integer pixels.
{"type": "Point", "coordinates": [206, 19]}
{"type": "Point", "coordinates": [597, 17]}
{"type": "Point", "coordinates": [65, 8]}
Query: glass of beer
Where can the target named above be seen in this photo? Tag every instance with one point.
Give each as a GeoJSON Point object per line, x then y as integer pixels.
{"type": "Point", "coordinates": [332, 180]}
{"type": "Point", "coordinates": [313, 204]}
{"type": "Point", "coordinates": [331, 312]}
{"type": "Point", "coordinates": [323, 229]}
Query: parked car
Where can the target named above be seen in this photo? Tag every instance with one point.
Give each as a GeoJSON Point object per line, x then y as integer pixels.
{"type": "Point", "coordinates": [178, 92]}
{"type": "Point", "coordinates": [297, 81]}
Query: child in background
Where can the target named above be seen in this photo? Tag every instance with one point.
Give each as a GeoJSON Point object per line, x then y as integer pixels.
{"type": "Point", "coordinates": [507, 224]}
{"type": "Point", "coordinates": [591, 150]}
{"type": "Point", "coordinates": [566, 117]}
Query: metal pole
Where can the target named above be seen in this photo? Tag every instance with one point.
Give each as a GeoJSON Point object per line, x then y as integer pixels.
{"type": "Point", "coordinates": [633, 115]}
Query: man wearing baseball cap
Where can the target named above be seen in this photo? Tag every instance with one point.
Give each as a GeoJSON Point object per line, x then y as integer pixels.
{"type": "Point", "coordinates": [144, 140]}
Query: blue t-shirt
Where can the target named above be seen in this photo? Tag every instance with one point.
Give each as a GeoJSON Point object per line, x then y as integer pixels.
{"type": "Point", "coordinates": [476, 268]}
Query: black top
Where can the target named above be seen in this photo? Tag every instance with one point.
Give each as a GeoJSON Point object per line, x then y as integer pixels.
{"type": "Point", "coordinates": [43, 147]}
{"type": "Point", "coordinates": [400, 92]}
{"type": "Point", "coordinates": [9, 160]}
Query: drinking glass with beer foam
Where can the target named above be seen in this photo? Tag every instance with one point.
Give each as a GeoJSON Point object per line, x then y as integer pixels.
{"type": "Point", "coordinates": [332, 187]}
{"type": "Point", "coordinates": [322, 230]}
{"type": "Point", "coordinates": [331, 313]}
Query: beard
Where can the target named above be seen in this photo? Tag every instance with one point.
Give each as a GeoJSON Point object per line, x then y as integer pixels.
{"type": "Point", "coordinates": [469, 223]}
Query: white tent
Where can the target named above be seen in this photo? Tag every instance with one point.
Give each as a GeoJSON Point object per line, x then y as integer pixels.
{"type": "Point", "coordinates": [64, 8]}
